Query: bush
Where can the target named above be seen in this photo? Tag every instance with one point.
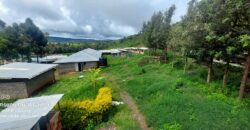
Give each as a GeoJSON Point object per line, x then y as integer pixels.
{"type": "Point", "coordinates": [144, 61]}
{"type": "Point", "coordinates": [79, 114]}
{"type": "Point", "coordinates": [171, 126]}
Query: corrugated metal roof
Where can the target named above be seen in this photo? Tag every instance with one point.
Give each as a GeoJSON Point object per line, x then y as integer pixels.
{"type": "Point", "coordinates": [25, 109]}
{"type": "Point", "coordinates": [93, 52]}
{"type": "Point", "coordinates": [23, 70]}
{"type": "Point", "coordinates": [86, 55]}
{"type": "Point", "coordinates": [115, 51]}
{"type": "Point", "coordinates": [26, 124]}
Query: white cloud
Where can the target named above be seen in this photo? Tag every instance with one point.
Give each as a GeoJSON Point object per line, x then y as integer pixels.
{"type": "Point", "coordinates": [88, 29]}
{"type": "Point", "coordinates": [121, 30]}
{"type": "Point", "coordinates": [3, 9]}
{"type": "Point", "coordinates": [87, 18]}
{"type": "Point", "coordinates": [67, 14]}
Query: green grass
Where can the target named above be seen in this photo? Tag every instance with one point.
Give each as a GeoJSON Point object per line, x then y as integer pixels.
{"type": "Point", "coordinates": [74, 87]}
{"type": "Point", "coordinates": [170, 99]}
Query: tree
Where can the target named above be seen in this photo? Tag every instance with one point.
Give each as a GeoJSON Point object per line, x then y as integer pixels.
{"type": "Point", "coordinates": [2, 25]}
{"type": "Point", "coordinates": [202, 43]}
{"type": "Point", "coordinates": [152, 35]}
{"type": "Point", "coordinates": [33, 35]}
{"type": "Point", "coordinates": [12, 35]}
{"type": "Point", "coordinates": [155, 32]}
{"type": "Point", "coordinates": [245, 40]}
{"type": "Point", "coordinates": [238, 17]}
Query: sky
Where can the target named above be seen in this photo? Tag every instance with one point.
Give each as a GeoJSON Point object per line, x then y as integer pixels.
{"type": "Point", "coordinates": [94, 19]}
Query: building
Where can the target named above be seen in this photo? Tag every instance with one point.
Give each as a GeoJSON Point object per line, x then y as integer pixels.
{"type": "Point", "coordinates": [137, 50]}
{"type": "Point", "coordinates": [115, 52]}
{"type": "Point", "coordinates": [105, 52]}
{"type": "Point", "coordinates": [21, 80]}
{"type": "Point", "coordinates": [32, 114]}
{"type": "Point", "coordinates": [88, 58]}
{"type": "Point", "coordinates": [124, 52]}
{"type": "Point", "coordinates": [48, 59]}
{"type": "Point", "coordinates": [142, 50]}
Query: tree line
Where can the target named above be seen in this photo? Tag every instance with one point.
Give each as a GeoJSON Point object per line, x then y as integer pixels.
{"type": "Point", "coordinates": [211, 29]}
{"type": "Point", "coordinates": [21, 41]}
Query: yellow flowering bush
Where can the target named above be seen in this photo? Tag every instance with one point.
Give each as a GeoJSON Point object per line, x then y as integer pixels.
{"type": "Point", "coordinates": [77, 114]}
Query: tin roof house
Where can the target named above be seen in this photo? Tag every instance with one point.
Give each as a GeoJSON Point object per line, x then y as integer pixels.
{"type": "Point", "coordinates": [88, 58]}
{"type": "Point", "coordinates": [32, 114]}
{"type": "Point", "coordinates": [21, 80]}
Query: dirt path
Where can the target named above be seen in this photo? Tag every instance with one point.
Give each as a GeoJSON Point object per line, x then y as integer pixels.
{"type": "Point", "coordinates": [109, 127]}
{"type": "Point", "coordinates": [127, 99]}
{"type": "Point", "coordinates": [136, 113]}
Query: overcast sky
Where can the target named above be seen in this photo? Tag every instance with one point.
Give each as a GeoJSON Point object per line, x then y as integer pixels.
{"type": "Point", "coordinates": [98, 19]}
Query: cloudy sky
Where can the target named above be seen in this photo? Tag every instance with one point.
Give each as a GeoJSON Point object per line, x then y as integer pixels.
{"type": "Point", "coordinates": [100, 19]}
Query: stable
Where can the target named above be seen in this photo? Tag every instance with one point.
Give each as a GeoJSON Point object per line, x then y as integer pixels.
{"type": "Point", "coordinates": [21, 80]}
{"type": "Point", "coordinates": [88, 58]}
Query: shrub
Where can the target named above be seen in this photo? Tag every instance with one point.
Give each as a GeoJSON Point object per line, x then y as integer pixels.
{"type": "Point", "coordinates": [171, 126]}
{"type": "Point", "coordinates": [144, 61]}
{"type": "Point", "coordinates": [79, 114]}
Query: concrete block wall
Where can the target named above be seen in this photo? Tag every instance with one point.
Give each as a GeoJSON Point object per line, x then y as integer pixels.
{"type": "Point", "coordinates": [40, 81]}
{"type": "Point", "coordinates": [13, 90]}
{"type": "Point", "coordinates": [65, 68]}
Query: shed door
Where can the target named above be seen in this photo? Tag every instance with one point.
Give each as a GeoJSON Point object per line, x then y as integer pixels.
{"type": "Point", "coordinates": [79, 66]}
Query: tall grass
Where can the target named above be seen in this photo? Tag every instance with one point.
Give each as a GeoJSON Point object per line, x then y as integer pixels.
{"type": "Point", "coordinates": [171, 99]}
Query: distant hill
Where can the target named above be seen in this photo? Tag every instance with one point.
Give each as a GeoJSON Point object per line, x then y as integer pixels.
{"type": "Point", "coordinates": [130, 41]}
{"type": "Point", "coordinates": [61, 39]}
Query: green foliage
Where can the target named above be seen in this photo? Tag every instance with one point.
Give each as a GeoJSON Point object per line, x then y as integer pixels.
{"type": "Point", "coordinates": [94, 76]}
{"type": "Point", "coordinates": [155, 32]}
{"type": "Point", "coordinates": [22, 39]}
{"type": "Point", "coordinates": [245, 40]}
{"type": "Point", "coordinates": [78, 114]}
{"type": "Point", "coordinates": [171, 126]}
{"type": "Point", "coordinates": [168, 97]}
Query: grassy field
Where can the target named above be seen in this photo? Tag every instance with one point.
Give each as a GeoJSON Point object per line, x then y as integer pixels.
{"type": "Point", "coordinates": [170, 99]}
{"type": "Point", "coordinates": [74, 87]}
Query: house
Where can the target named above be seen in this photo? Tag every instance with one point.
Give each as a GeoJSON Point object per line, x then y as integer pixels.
{"type": "Point", "coordinates": [115, 52]}
{"type": "Point", "coordinates": [88, 58]}
{"type": "Point", "coordinates": [105, 52]}
{"type": "Point", "coordinates": [142, 50]}
{"type": "Point", "coordinates": [124, 52]}
{"type": "Point", "coordinates": [136, 50]}
{"type": "Point", "coordinates": [21, 80]}
{"type": "Point", "coordinates": [49, 59]}
{"type": "Point", "coordinates": [32, 114]}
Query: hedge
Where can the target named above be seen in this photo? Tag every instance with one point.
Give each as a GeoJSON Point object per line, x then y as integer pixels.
{"type": "Point", "coordinates": [79, 114]}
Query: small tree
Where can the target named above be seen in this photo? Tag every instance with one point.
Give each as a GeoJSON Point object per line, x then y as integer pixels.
{"type": "Point", "coordinates": [94, 75]}
{"type": "Point", "coordinates": [245, 40]}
